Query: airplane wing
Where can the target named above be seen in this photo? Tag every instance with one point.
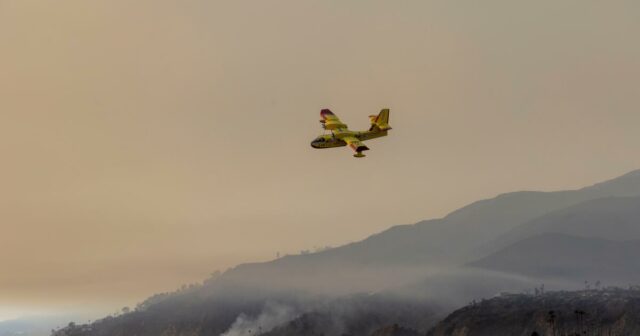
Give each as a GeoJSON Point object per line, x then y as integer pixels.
{"type": "Point", "coordinates": [355, 144]}
{"type": "Point", "coordinates": [330, 121]}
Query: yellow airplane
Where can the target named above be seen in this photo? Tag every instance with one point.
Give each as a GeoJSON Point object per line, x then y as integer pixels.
{"type": "Point", "coordinates": [341, 135]}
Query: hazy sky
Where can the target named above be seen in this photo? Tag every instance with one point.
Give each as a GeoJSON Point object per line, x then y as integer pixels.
{"type": "Point", "coordinates": [145, 144]}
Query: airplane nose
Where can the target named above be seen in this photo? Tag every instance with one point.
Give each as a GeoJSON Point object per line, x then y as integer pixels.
{"type": "Point", "coordinates": [313, 144]}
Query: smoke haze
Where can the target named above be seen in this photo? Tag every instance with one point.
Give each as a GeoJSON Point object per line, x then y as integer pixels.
{"type": "Point", "coordinates": [273, 315]}
{"type": "Point", "coordinates": [146, 144]}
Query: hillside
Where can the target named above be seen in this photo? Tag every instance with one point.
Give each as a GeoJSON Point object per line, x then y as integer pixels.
{"type": "Point", "coordinates": [404, 253]}
{"type": "Point", "coordinates": [607, 312]}
{"type": "Point", "coordinates": [363, 315]}
{"type": "Point", "coordinates": [351, 315]}
{"type": "Point", "coordinates": [612, 218]}
{"type": "Point", "coordinates": [408, 274]}
{"type": "Point", "coordinates": [578, 259]}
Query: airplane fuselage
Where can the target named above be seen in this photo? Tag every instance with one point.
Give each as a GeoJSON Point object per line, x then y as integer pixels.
{"type": "Point", "coordinates": [335, 138]}
{"type": "Point", "coordinates": [341, 136]}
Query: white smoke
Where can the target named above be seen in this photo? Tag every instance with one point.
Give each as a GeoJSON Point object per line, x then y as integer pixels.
{"type": "Point", "coordinates": [273, 315]}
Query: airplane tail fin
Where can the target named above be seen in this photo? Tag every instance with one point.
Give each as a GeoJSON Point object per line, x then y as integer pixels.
{"type": "Point", "coordinates": [380, 122]}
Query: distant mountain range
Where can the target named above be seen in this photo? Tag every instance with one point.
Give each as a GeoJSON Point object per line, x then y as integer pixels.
{"type": "Point", "coordinates": [606, 210]}
{"type": "Point", "coordinates": [553, 255]}
{"type": "Point", "coordinates": [613, 218]}
{"type": "Point", "coordinates": [509, 243]}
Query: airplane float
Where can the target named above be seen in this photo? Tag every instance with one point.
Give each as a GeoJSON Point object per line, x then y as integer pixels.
{"type": "Point", "coordinates": [341, 135]}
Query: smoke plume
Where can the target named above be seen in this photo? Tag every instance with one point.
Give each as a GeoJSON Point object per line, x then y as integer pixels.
{"type": "Point", "coordinates": [273, 315]}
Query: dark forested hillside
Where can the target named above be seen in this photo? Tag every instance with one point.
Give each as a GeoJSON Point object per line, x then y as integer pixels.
{"type": "Point", "coordinates": [604, 312]}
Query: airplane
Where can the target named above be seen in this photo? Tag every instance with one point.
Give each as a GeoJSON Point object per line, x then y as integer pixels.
{"type": "Point", "coordinates": [341, 135]}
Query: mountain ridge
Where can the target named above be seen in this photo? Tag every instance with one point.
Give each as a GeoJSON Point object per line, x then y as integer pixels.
{"type": "Point", "coordinates": [427, 244]}
{"type": "Point", "coordinates": [614, 218]}
{"type": "Point", "coordinates": [423, 264]}
{"type": "Point", "coordinates": [558, 255]}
